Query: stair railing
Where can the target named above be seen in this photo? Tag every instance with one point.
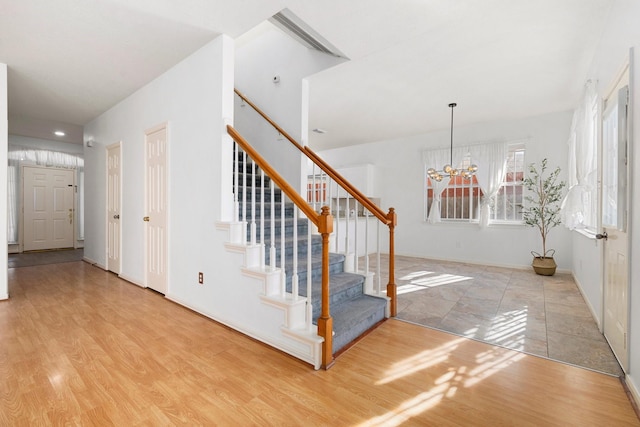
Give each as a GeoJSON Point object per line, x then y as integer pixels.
{"type": "Point", "coordinates": [389, 219]}
{"type": "Point", "coordinates": [323, 222]}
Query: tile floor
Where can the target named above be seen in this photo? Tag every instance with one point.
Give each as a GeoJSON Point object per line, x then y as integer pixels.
{"type": "Point", "coordinates": [517, 309]}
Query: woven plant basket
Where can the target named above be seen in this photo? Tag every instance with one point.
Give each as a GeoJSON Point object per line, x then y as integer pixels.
{"type": "Point", "coordinates": [544, 265]}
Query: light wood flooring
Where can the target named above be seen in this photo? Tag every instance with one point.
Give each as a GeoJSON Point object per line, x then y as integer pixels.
{"type": "Point", "coordinates": [78, 346]}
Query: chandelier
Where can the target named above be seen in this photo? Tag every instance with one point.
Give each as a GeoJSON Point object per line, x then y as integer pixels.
{"type": "Point", "coordinates": [448, 169]}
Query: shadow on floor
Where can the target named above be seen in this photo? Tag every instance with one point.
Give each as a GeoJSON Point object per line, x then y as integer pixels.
{"type": "Point", "coordinates": [28, 259]}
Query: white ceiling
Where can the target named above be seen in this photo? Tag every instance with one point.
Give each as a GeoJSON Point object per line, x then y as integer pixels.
{"type": "Point", "coordinates": [71, 60]}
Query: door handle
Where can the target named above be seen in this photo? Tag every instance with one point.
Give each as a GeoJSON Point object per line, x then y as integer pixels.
{"type": "Point", "coordinates": [116, 217]}
{"type": "Point", "coordinates": [146, 218]}
{"type": "Point", "coordinates": [602, 235]}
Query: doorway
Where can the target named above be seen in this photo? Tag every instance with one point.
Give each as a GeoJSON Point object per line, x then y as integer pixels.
{"type": "Point", "coordinates": [156, 208]}
{"type": "Point", "coordinates": [615, 176]}
{"type": "Point", "coordinates": [48, 199]}
{"type": "Point", "coordinates": [114, 186]}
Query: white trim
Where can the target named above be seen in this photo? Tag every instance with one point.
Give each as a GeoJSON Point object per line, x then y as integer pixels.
{"type": "Point", "coordinates": [588, 302]}
{"type": "Point", "coordinates": [633, 389]}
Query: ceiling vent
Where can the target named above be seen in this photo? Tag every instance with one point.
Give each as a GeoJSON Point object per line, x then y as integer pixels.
{"type": "Point", "coordinates": [292, 25]}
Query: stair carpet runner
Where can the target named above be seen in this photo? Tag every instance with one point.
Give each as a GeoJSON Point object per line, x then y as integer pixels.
{"type": "Point", "coordinates": [353, 311]}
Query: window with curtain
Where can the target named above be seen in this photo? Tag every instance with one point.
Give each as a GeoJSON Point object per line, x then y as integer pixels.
{"type": "Point", "coordinates": [579, 209]}
{"type": "Point", "coordinates": [493, 195]}
{"type": "Point", "coordinates": [19, 156]}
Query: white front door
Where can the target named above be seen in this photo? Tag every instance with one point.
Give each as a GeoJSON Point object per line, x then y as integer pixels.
{"type": "Point", "coordinates": [48, 208]}
{"type": "Point", "coordinates": [614, 219]}
{"type": "Point", "coordinates": [156, 208]}
{"type": "Point", "coordinates": [113, 208]}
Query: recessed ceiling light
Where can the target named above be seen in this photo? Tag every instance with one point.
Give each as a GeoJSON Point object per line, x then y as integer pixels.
{"type": "Point", "coordinates": [59, 133]}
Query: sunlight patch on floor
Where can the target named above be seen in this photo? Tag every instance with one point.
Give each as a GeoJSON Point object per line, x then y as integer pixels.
{"type": "Point", "coordinates": [419, 281]}
{"type": "Point", "coordinates": [508, 329]}
{"type": "Point", "coordinates": [420, 361]}
{"type": "Point", "coordinates": [487, 363]}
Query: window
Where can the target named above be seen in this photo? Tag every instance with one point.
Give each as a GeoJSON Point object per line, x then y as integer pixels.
{"type": "Point", "coordinates": [461, 199]}
{"type": "Point", "coordinates": [506, 206]}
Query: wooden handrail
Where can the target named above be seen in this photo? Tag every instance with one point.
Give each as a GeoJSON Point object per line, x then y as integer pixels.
{"type": "Point", "coordinates": [295, 197]}
{"type": "Point", "coordinates": [311, 155]}
{"type": "Point", "coordinates": [267, 118]}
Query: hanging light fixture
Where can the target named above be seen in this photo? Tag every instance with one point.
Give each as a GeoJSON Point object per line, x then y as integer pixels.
{"type": "Point", "coordinates": [448, 169]}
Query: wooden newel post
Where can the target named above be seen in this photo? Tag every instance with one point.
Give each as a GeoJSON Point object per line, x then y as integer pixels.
{"type": "Point", "coordinates": [325, 322]}
{"type": "Point", "coordinates": [391, 286]}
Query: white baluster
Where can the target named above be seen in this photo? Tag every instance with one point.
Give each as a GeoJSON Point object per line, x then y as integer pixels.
{"type": "Point", "coordinates": [294, 272]}
{"type": "Point", "coordinates": [309, 278]}
{"type": "Point", "coordinates": [236, 184]}
{"type": "Point", "coordinates": [272, 252]}
{"type": "Point", "coordinates": [366, 242]}
{"type": "Point", "coordinates": [253, 203]}
{"type": "Point", "coordinates": [244, 197]}
{"type": "Point", "coordinates": [262, 202]}
{"type": "Point", "coordinates": [378, 276]}
{"type": "Point", "coordinates": [355, 237]}
{"type": "Point", "coordinates": [283, 276]}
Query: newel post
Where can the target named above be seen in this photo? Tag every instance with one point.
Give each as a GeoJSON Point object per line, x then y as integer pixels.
{"type": "Point", "coordinates": [391, 286]}
{"type": "Point", "coordinates": [325, 322]}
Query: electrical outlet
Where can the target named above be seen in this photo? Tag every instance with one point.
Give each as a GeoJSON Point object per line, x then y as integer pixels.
{"type": "Point", "coordinates": [200, 278]}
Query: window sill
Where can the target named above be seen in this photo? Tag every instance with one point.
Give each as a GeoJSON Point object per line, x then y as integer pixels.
{"type": "Point", "coordinates": [586, 233]}
{"type": "Point", "coordinates": [476, 224]}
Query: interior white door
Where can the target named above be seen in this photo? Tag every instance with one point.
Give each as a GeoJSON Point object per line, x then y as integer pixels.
{"type": "Point", "coordinates": [48, 208]}
{"type": "Point", "coordinates": [614, 220]}
{"type": "Point", "coordinates": [156, 208]}
{"type": "Point", "coordinates": [113, 207]}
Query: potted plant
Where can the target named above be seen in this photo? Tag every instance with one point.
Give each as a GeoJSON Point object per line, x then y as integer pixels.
{"type": "Point", "coordinates": [543, 211]}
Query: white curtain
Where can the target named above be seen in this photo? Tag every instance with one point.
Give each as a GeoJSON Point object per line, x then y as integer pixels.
{"type": "Point", "coordinates": [19, 156]}
{"type": "Point", "coordinates": [436, 159]}
{"type": "Point", "coordinates": [491, 160]}
{"type": "Point", "coordinates": [582, 161]}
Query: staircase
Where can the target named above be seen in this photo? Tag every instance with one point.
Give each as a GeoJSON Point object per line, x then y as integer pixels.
{"type": "Point", "coordinates": [353, 311]}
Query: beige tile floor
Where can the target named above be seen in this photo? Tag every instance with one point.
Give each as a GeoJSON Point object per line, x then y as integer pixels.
{"type": "Point", "coordinates": [517, 309]}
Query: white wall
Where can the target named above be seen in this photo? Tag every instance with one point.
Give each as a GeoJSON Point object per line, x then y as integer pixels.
{"type": "Point", "coordinates": [4, 133]}
{"type": "Point", "coordinates": [399, 171]}
{"type": "Point", "coordinates": [194, 98]}
{"type": "Point", "coordinates": [621, 33]}
{"type": "Point", "coordinates": [261, 54]}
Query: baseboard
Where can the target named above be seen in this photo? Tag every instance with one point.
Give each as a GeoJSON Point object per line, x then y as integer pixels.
{"type": "Point", "coordinates": [94, 263]}
{"type": "Point", "coordinates": [586, 300]}
{"type": "Point", "coordinates": [273, 342]}
{"type": "Point", "coordinates": [4, 297]}
{"type": "Point", "coordinates": [633, 390]}
{"type": "Point", "coordinates": [132, 281]}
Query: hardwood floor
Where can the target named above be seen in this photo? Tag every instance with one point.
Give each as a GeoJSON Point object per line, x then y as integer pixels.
{"type": "Point", "coordinates": [78, 346]}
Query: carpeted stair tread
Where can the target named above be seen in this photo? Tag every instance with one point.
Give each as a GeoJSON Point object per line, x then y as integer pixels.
{"type": "Point", "coordinates": [354, 317]}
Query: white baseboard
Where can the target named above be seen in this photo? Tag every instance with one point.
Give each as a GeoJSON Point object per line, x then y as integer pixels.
{"type": "Point", "coordinates": [94, 263]}
{"type": "Point", "coordinates": [4, 297]}
{"type": "Point", "coordinates": [633, 388]}
{"type": "Point", "coordinates": [595, 315]}
{"type": "Point", "coordinates": [131, 280]}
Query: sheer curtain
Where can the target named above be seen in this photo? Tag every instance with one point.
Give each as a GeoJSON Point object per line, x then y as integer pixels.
{"type": "Point", "coordinates": [436, 159]}
{"type": "Point", "coordinates": [578, 202]}
{"type": "Point", "coordinates": [19, 156]}
{"type": "Point", "coordinates": [491, 160]}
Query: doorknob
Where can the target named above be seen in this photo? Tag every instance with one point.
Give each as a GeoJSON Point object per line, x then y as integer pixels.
{"type": "Point", "coordinates": [116, 217]}
{"type": "Point", "coordinates": [602, 235]}
{"type": "Point", "coordinates": [146, 218]}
